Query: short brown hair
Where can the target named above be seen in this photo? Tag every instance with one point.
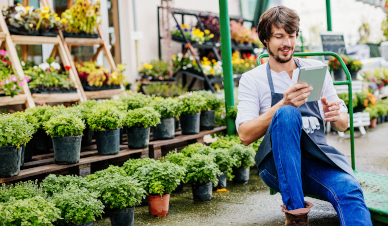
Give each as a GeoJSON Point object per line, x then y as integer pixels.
{"type": "Point", "coordinates": [279, 16]}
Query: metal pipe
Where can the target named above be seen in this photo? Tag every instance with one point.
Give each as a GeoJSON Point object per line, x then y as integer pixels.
{"type": "Point", "coordinates": [226, 48]}
{"type": "Point", "coordinates": [328, 15]}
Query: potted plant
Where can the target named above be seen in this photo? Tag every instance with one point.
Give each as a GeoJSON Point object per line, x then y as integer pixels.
{"type": "Point", "coordinates": [20, 190]}
{"type": "Point", "coordinates": [106, 123]}
{"type": "Point", "coordinates": [156, 70]}
{"type": "Point", "coordinates": [191, 104]}
{"type": "Point", "coordinates": [15, 131]}
{"type": "Point", "coordinates": [202, 172]}
{"type": "Point", "coordinates": [208, 112]}
{"type": "Point", "coordinates": [138, 124]}
{"type": "Point", "coordinates": [86, 108]}
{"type": "Point", "coordinates": [354, 67]}
{"type": "Point", "coordinates": [66, 132]}
{"type": "Point", "coordinates": [335, 65]}
{"type": "Point", "coordinates": [78, 206]}
{"type": "Point", "coordinates": [372, 115]}
{"type": "Point", "coordinates": [192, 149]}
{"type": "Point", "coordinates": [21, 20]}
{"type": "Point", "coordinates": [165, 90]}
{"type": "Point", "coordinates": [119, 194]}
{"type": "Point", "coordinates": [30, 211]}
{"type": "Point", "coordinates": [48, 23]}
{"type": "Point", "coordinates": [53, 184]}
{"type": "Point", "coordinates": [168, 110]}
{"type": "Point", "coordinates": [159, 179]}
{"type": "Point", "coordinates": [10, 83]}
{"type": "Point", "coordinates": [245, 158]}
{"type": "Point", "coordinates": [136, 100]}
{"type": "Point", "coordinates": [181, 160]}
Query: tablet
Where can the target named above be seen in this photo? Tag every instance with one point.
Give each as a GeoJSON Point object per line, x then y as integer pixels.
{"type": "Point", "coordinates": [315, 77]}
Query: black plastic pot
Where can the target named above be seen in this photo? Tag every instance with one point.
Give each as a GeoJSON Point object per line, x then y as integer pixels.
{"type": "Point", "coordinates": [138, 137]}
{"type": "Point", "coordinates": [67, 149]}
{"type": "Point", "coordinates": [144, 202]}
{"type": "Point", "coordinates": [124, 217]}
{"type": "Point", "coordinates": [386, 118]}
{"type": "Point", "coordinates": [358, 109]}
{"type": "Point", "coordinates": [207, 120]}
{"type": "Point", "coordinates": [28, 151]}
{"type": "Point", "coordinates": [23, 147]}
{"type": "Point", "coordinates": [165, 130]}
{"type": "Point", "coordinates": [378, 120]}
{"type": "Point", "coordinates": [382, 118]}
{"type": "Point", "coordinates": [79, 35]}
{"type": "Point", "coordinates": [202, 192]}
{"type": "Point", "coordinates": [98, 88]}
{"type": "Point", "coordinates": [353, 74]}
{"type": "Point", "coordinates": [179, 188]}
{"type": "Point", "coordinates": [87, 137]}
{"type": "Point", "coordinates": [190, 123]}
{"type": "Point", "coordinates": [339, 75]}
{"type": "Point", "coordinates": [221, 181]}
{"type": "Point", "coordinates": [21, 31]}
{"type": "Point", "coordinates": [49, 33]}
{"type": "Point", "coordinates": [42, 142]}
{"type": "Point", "coordinates": [241, 175]}
{"type": "Point", "coordinates": [176, 124]}
{"type": "Point", "coordinates": [108, 141]}
{"type": "Point", "coordinates": [87, 224]}
{"type": "Point", "coordinates": [9, 161]}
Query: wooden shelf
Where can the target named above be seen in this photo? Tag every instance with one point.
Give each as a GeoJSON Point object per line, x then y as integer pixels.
{"type": "Point", "coordinates": [84, 41]}
{"type": "Point", "coordinates": [18, 99]}
{"type": "Point", "coordinates": [56, 97]}
{"type": "Point", "coordinates": [103, 93]}
{"type": "Point", "coordinates": [34, 40]}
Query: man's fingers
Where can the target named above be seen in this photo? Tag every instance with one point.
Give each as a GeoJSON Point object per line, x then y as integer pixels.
{"type": "Point", "coordinates": [337, 102]}
{"type": "Point", "coordinates": [298, 86]}
{"type": "Point", "coordinates": [324, 100]}
{"type": "Point", "coordinates": [334, 107]}
{"type": "Point", "coordinates": [332, 113]}
{"type": "Point", "coordinates": [331, 119]}
{"type": "Point", "coordinates": [299, 92]}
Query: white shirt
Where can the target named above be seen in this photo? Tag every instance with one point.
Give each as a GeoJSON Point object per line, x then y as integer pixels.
{"type": "Point", "coordinates": [254, 94]}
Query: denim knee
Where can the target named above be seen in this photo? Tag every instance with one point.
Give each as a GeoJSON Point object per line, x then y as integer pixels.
{"type": "Point", "coordinates": [288, 114]}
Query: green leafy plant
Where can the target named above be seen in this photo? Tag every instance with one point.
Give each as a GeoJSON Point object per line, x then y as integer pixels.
{"type": "Point", "coordinates": [142, 117]}
{"type": "Point", "coordinates": [78, 205]}
{"type": "Point", "coordinates": [191, 149]}
{"type": "Point", "coordinates": [156, 68]}
{"type": "Point", "coordinates": [167, 108]}
{"type": "Point", "coordinates": [20, 190]}
{"type": "Point", "coordinates": [354, 65]}
{"type": "Point", "coordinates": [81, 17]}
{"type": "Point", "coordinates": [53, 184]}
{"type": "Point", "coordinates": [15, 130]}
{"type": "Point", "coordinates": [372, 112]}
{"type": "Point", "coordinates": [176, 157]}
{"type": "Point", "coordinates": [222, 143]}
{"type": "Point", "coordinates": [104, 118]}
{"type": "Point", "coordinates": [38, 112]}
{"type": "Point", "coordinates": [232, 112]}
{"type": "Point", "coordinates": [165, 90]}
{"type": "Point", "coordinates": [202, 169]}
{"type": "Point", "coordinates": [29, 117]}
{"type": "Point", "coordinates": [106, 172]}
{"type": "Point", "coordinates": [136, 100]}
{"type": "Point", "coordinates": [222, 158]}
{"type": "Point", "coordinates": [29, 212]}
{"type": "Point", "coordinates": [160, 178]}
{"type": "Point", "coordinates": [64, 125]}
{"type": "Point", "coordinates": [244, 156]}
{"type": "Point", "coordinates": [131, 165]}
{"type": "Point", "coordinates": [212, 101]}
{"type": "Point", "coordinates": [192, 103]}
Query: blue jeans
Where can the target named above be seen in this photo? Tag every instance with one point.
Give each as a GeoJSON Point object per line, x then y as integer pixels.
{"type": "Point", "coordinates": [294, 172]}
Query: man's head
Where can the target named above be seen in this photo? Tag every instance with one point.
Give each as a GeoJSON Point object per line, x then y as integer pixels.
{"type": "Point", "coordinates": [278, 29]}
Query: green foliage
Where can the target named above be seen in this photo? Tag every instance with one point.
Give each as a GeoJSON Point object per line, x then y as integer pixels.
{"type": "Point", "coordinates": [167, 108]}
{"type": "Point", "coordinates": [132, 165]}
{"type": "Point", "coordinates": [191, 103]}
{"type": "Point", "coordinates": [15, 130]}
{"type": "Point", "coordinates": [78, 205]}
{"type": "Point", "coordinates": [212, 102]}
{"type": "Point", "coordinates": [232, 112]}
{"type": "Point", "coordinates": [106, 172]}
{"type": "Point", "coordinates": [228, 141]}
{"type": "Point", "coordinates": [202, 169]}
{"type": "Point", "coordinates": [64, 125]}
{"type": "Point", "coordinates": [244, 156]}
{"type": "Point", "coordinates": [176, 157]}
{"type": "Point", "coordinates": [222, 158]}
{"type": "Point", "coordinates": [191, 149]}
{"type": "Point", "coordinates": [29, 212]}
{"type": "Point", "coordinates": [30, 118]}
{"type": "Point", "coordinates": [372, 112]}
{"type": "Point", "coordinates": [160, 178]}
{"type": "Point", "coordinates": [104, 118]}
{"type": "Point", "coordinates": [38, 112]}
{"type": "Point", "coordinates": [142, 117]}
{"type": "Point", "coordinates": [165, 90]}
{"type": "Point", "coordinates": [86, 108]}
{"type": "Point", "coordinates": [53, 184]}
{"type": "Point", "coordinates": [222, 143]}
{"type": "Point", "coordinates": [136, 100]}
{"type": "Point", "coordinates": [20, 190]}
{"type": "Point", "coordinates": [221, 116]}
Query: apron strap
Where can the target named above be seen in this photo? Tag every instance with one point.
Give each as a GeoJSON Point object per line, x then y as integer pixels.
{"type": "Point", "coordinates": [269, 76]}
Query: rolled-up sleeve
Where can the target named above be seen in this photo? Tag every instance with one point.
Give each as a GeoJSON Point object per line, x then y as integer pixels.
{"type": "Point", "coordinates": [248, 101]}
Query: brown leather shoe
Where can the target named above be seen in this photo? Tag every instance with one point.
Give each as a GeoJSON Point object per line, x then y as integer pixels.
{"type": "Point", "coordinates": [297, 217]}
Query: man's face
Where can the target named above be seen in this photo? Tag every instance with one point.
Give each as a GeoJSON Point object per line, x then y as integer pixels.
{"type": "Point", "coordinates": [281, 45]}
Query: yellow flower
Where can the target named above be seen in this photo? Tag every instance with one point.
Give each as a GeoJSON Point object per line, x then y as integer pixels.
{"type": "Point", "coordinates": [63, 21]}
{"type": "Point", "coordinates": [246, 65]}
{"type": "Point", "coordinates": [150, 67]}
{"type": "Point", "coordinates": [211, 35]}
{"type": "Point", "coordinates": [174, 56]}
{"type": "Point", "coordinates": [57, 18]}
{"type": "Point", "coordinates": [46, 9]}
{"type": "Point", "coordinates": [140, 68]}
{"type": "Point", "coordinates": [47, 16]}
{"type": "Point", "coordinates": [242, 61]}
{"type": "Point", "coordinates": [204, 59]}
{"type": "Point", "coordinates": [207, 32]}
{"type": "Point", "coordinates": [18, 4]}
{"type": "Point", "coordinates": [145, 65]}
{"type": "Point", "coordinates": [200, 34]}
{"type": "Point", "coordinates": [215, 63]}
{"type": "Point", "coordinates": [194, 62]}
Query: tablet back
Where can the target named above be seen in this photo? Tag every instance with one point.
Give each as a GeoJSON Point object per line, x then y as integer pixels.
{"type": "Point", "coordinates": [315, 77]}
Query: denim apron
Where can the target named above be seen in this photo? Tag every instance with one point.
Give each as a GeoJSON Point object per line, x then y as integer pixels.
{"type": "Point", "coordinates": [314, 143]}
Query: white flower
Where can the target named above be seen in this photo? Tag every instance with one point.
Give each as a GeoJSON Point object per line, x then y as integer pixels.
{"type": "Point", "coordinates": [17, 16]}
{"type": "Point", "coordinates": [44, 66]}
{"type": "Point", "coordinates": [23, 64]}
{"type": "Point", "coordinates": [191, 57]}
{"type": "Point", "coordinates": [55, 65]}
{"type": "Point", "coordinates": [31, 9]}
{"type": "Point", "coordinates": [189, 65]}
{"type": "Point", "coordinates": [219, 62]}
{"type": "Point", "coordinates": [180, 55]}
{"type": "Point", "coordinates": [20, 9]}
{"type": "Point", "coordinates": [184, 67]}
{"type": "Point", "coordinates": [35, 67]}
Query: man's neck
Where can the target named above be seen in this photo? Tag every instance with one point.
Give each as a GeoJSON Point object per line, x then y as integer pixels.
{"type": "Point", "coordinates": [279, 67]}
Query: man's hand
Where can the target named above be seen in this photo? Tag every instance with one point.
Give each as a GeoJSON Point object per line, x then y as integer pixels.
{"type": "Point", "coordinates": [331, 110]}
{"type": "Point", "coordinates": [297, 94]}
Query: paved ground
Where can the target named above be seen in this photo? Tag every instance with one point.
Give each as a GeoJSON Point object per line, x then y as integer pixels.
{"type": "Point", "coordinates": [252, 204]}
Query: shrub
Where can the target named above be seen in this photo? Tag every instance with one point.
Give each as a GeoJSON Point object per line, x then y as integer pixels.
{"type": "Point", "coordinates": [192, 103]}
{"type": "Point", "coordinates": [53, 184]}
{"type": "Point", "coordinates": [212, 102]}
{"type": "Point", "coordinates": [20, 190]}
{"type": "Point", "coordinates": [222, 143]}
{"type": "Point", "coordinates": [202, 169]}
{"type": "Point", "coordinates": [132, 165]}
{"type": "Point", "coordinates": [167, 108]}
{"type": "Point", "coordinates": [52, 112]}
{"type": "Point", "coordinates": [191, 149]}
{"type": "Point", "coordinates": [64, 125]}
{"type": "Point", "coordinates": [38, 112]}
{"type": "Point", "coordinates": [78, 205]}
{"type": "Point", "coordinates": [136, 100]}
{"type": "Point", "coordinates": [161, 177]}
{"type": "Point", "coordinates": [15, 130]}
{"type": "Point", "coordinates": [142, 117]}
{"type": "Point", "coordinates": [30, 118]}
{"type": "Point", "coordinates": [86, 108]}
{"type": "Point", "coordinates": [244, 156]}
{"type": "Point", "coordinates": [29, 212]}
{"type": "Point", "coordinates": [105, 118]}
{"type": "Point", "coordinates": [178, 158]}
{"type": "Point", "coordinates": [106, 172]}
{"type": "Point", "coordinates": [222, 158]}
{"type": "Point", "coordinates": [232, 112]}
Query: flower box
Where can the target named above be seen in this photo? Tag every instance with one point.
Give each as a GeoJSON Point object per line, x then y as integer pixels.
{"type": "Point", "coordinates": [49, 90]}
{"type": "Point", "coordinates": [79, 35]}
{"type": "Point", "coordinates": [98, 88]}
{"type": "Point", "coordinates": [20, 31]}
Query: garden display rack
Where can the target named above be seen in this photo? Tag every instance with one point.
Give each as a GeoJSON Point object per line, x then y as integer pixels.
{"type": "Point", "coordinates": [187, 45]}
{"type": "Point", "coordinates": [68, 42]}
{"type": "Point", "coordinates": [374, 186]}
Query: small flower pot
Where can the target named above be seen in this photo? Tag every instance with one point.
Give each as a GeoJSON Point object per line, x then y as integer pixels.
{"type": "Point", "coordinates": [339, 75]}
{"type": "Point", "coordinates": [202, 192]}
{"type": "Point", "coordinates": [67, 149]}
{"type": "Point", "coordinates": [190, 123]}
{"type": "Point", "coordinates": [241, 175]}
{"type": "Point", "coordinates": [87, 137]}
{"type": "Point", "coordinates": [165, 129]}
{"type": "Point", "coordinates": [207, 120]}
{"type": "Point", "coordinates": [122, 217]}
{"type": "Point", "coordinates": [158, 205]}
{"type": "Point", "coordinates": [10, 161]}
{"type": "Point", "coordinates": [221, 181]}
{"type": "Point", "coordinates": [138, 137]}
{"type": "Point", "coordinates": [87, 224]}
{"type": "Point", "coordinates": [353, 74]}
{"type": "Point", "coordinates": [108, 141]}
{"type": "Point", "coordinates": [42, 142]}
{"type": "Point", "coordinates": [373, 123]}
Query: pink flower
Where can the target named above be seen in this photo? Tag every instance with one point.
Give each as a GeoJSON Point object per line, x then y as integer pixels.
{"type": "Point", "coordinates": [2, 52]}
{"type": "Point", "coordinates": [13, 78]}
{"type": "Point", "coordinates": [222, 116]}
{"type": "Point", "coordinates": [181, 97]}
{"type": "Point", "coordinates": [26, 78]}
{"type": "Point", "coordinates": [48, 69]}
{"type": "Point", "coordinates": [2, 82]}
{"type": "Point", "coordinates": [189, 95]}
{"type": "Point", "coordinates": [21, 83]}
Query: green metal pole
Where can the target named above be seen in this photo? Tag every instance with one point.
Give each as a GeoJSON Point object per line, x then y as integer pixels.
{"type": "Point", "coordinates": [226, 48]}
{"type": "Point", "coordinates": [328, 15]}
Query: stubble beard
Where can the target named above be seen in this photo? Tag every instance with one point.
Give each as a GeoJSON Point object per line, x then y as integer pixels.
{"type": "Point", "coordinates": [278, 58]}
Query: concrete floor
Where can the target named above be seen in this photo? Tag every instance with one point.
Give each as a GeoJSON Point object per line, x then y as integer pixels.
{"type": "Point", "coordinates": [252, 204]}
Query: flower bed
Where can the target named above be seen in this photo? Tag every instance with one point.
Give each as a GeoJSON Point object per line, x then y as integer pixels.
{"type": "Point", "coordinates": [10, 83]}
{"type": "Point", "coordinates": [194, 35]}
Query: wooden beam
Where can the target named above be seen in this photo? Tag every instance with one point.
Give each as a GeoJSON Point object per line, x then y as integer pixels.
{"type": "Point", "coordinates": [83, 41]}
{"type": "Point", "coordinates": [116, 27]}
{"type": "Point", "coordinates": [2, 45]}
{"type": "Point", "coordinates": [33, 40]}
{"type": "Point", "coordinates": [54, 53]}
{"type": "Point", "coordinates": [69, 3]}
{"type": "Point", "coordinates": [56, 97]}
{"type": "Point", "coordinates": [97, 53]}
{"type": "Point", "coordinates": [103, 93]}
{"type": "Point", "coordinates": [24, 53]}
{"type": "Point", "coordinates": [18, 99]}
{"type": "Point", "coordinates": [25, 2]}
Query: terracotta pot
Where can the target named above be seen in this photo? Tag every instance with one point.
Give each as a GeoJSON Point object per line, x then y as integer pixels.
{"type": "Point", "coordinates": [158, 205]}
{"type": "Point", "coordinates": [373, 123]}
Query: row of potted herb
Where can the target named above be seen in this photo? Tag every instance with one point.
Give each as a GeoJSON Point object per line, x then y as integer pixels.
{"type": "Point", "coordinates": [376, 81]}
{"type": "Point", "coordinates": [353, 65]}
{"type": "Point", "coordinates": [378, 113]}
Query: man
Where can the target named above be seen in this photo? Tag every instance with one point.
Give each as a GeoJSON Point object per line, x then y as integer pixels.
{"type": "Point", "coordinates": [294, 157]}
